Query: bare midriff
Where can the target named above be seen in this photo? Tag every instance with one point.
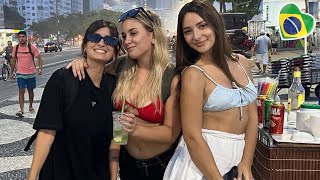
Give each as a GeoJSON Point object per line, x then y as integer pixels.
{"type": "Point", "coordinates": [226, 121]}
{"type": "Point", "coordinates": [141, 149]}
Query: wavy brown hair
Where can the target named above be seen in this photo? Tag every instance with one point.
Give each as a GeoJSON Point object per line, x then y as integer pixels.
{"type": "Point", "coordinates": [221, 50]}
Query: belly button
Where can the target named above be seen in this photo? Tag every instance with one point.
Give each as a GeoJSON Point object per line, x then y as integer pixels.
{"type": "Point", "coordinates": [138, 147]}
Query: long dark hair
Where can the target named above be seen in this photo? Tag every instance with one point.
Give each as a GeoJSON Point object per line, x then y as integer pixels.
{"type": "Point", "coordinates": [186, 56]}
{"type": "Point", "coordinates": [93, 27]}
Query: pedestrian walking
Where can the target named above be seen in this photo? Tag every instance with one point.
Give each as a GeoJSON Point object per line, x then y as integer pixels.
{"type": "Point", "coordinates": [275, 42]}
{"type": "Point", "coordinates": [74, 138]}
{"type": "Point", "coordinates": [261, 49]}
{"type": "Point", "coordinates": [217, 100]}
{"type": "Point", "coordinates": [147, 81]}
{"type": "Point", "coordinates": [8, 51]}
{"type": "Point", "coordinates": [23, 59]}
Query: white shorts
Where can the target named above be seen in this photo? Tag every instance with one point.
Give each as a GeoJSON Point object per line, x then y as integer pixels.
{"type": "Point", "coordinates": [262, 58]}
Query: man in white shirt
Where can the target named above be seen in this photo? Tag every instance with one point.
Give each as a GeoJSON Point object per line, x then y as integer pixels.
{"type": "Point", "coordinates": [262, 45]}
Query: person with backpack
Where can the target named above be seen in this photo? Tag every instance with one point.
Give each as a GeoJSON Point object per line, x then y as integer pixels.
{"type": "Point", "coordinates": [74, 121]}
{"type": "Point", "coordinates": [23, 59]}
{"type": "Point", "coordinates": [149, 83]}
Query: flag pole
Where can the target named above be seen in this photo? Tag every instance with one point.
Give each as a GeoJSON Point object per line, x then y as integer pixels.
{"type": "Point", "coordinates": [305, 45]}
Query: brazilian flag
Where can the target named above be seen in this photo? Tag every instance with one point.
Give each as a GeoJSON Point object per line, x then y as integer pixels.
{"type": "Point", "coordinates": [294, 24]}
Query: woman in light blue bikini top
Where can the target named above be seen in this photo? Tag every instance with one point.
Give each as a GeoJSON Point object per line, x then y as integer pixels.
{"type": "Point", "coordinates": [222, 98]}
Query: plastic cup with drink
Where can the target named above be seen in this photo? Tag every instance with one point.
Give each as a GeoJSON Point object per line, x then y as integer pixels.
{"type": "Point", "coordinates": [120, 136]}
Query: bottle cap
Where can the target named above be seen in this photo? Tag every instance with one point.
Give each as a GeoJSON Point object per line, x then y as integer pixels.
{"type": "Point", "coordinates": [297, 74]}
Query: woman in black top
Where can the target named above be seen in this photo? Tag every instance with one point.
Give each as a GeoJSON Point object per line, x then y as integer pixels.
{"type": "Point", "coordinates": [74, 144]}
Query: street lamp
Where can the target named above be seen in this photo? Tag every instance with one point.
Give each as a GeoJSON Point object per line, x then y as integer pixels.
{"type": "Point", "coordinates": [58, 31]}
{"type": "Point", "coordinates": [57, 21]}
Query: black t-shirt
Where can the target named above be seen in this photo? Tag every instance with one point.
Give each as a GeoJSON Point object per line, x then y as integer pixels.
{"type": "Point", "coordinates": [83, 134]}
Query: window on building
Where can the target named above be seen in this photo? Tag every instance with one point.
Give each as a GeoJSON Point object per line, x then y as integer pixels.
{"type": "Point", "coordinates": [33, 14]}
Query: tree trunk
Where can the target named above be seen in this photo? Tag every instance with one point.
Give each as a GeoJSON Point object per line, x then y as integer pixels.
{"type": "Point", "coordinates": [221, 6]}
{"type": "Point", "coordinates": [307, 5]}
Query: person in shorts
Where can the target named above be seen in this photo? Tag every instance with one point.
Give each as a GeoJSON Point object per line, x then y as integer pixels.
{"type": "Point", "coordinates": [22, 58]}
{"type": "Point", "coordinates": [275, 42]}
{"type": "Point", "coordinates": [261, 48]}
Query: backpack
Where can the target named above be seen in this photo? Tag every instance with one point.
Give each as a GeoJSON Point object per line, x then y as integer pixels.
{"type": "Point", "coordinates": [30, 52]}
{"type": "Point", "coordinates": [167, 77]}
{"type": "Point", "coordinates": [70, 89]}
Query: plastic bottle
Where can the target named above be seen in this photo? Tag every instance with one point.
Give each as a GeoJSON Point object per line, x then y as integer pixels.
{"type": "Point", "coordinates": [296, 96]}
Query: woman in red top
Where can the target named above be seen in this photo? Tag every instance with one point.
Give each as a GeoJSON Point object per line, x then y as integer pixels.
{"type": "Point", "coordinates": [153, 123]}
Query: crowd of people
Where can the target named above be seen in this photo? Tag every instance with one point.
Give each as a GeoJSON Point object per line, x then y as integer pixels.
{"type": "Point", "coordinates": [178, 124]}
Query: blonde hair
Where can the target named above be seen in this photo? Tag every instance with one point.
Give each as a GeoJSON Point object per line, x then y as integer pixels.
{"type": "Point", "coordinates": [159, 61]}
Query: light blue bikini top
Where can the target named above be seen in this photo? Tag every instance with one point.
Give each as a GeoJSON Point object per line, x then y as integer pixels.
{"type": "Point", "coordinates": [222, 98]}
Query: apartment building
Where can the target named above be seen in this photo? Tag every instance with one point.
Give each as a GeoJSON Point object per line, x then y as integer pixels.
{"type": "Point", "coordinates": [12, 4]}
{"type": "Point", "coordinates": [93, 5]}
{"type": "Point", "coordinates": [38, 10]}
{"type": "Point", "coordinates": [77, 6]}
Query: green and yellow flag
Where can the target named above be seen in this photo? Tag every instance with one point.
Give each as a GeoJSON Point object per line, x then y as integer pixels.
{"type": "Point", "coordinates": [294, 24]}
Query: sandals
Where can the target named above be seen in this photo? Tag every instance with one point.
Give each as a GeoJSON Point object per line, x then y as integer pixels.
{"type": "Point", "coordinates": [19, 114]}
{"type": "Point", "coordinates": [31, 111]}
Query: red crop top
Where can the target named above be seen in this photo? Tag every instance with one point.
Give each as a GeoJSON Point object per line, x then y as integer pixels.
{"type": "Point", "coordinates": [148, 113]}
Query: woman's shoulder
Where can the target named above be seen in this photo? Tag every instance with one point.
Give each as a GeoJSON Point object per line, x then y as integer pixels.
{"type": "Point", "coordinates": [244, 62]}
{"type": "Point", "coordinates": [192, 72]}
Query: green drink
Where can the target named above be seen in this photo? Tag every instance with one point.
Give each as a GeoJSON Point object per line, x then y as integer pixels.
{"type": "Point", "coordinates": [119, 135]}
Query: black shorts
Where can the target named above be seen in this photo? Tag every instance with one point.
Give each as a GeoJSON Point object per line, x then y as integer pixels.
{"type": "Point", "coordinates": [147, 169]}
{"type": "Point", "coordinates": [274, 45]}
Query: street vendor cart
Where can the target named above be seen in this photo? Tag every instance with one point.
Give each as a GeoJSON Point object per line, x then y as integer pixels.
{"type": "Point", "coordinates": [310, 71]}
{"type": "Point", "coordinates": [280, 159]}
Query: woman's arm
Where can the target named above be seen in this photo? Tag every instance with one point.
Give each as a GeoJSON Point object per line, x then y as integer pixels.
{"type": "Point", "coordinates": [114, 152]}
{"type": "Point", "coordinates": [191, 102]}
{"type": "Point", "coordinates": [169, 131]}
{"type": "Point", "coordinates": [79, 64]}
{"type": "Point", "coordinates": [42, 148]}
{"type": "Point", "coordinates": [251, 132]}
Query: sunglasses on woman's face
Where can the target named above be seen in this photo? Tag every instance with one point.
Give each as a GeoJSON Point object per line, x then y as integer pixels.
{"type": "Point", "coordinates": [133, 13]}
{"type": "Point", "coordinates": [108, 40]}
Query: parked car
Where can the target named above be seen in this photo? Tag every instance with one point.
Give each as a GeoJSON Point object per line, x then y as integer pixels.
{"type": "Point", "coordinates": [52, 46]}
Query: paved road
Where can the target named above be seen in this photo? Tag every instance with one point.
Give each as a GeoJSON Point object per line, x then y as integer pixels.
{"type": "Point", "coordinates": [14, 132]}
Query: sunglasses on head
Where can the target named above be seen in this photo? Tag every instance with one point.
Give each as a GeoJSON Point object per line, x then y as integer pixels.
{"type": "Point", "coordinates": [108, 40]}
{"type": "Point", "coordinates": [133, 13]}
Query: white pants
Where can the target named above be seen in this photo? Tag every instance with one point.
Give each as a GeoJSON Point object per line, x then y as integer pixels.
{"type": "Point", "coordinates": [226, 148]}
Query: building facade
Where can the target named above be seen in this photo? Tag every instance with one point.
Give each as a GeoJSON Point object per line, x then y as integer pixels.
{"type": "Point", "coordinates": [77, 6]}
{"type": "Point", "coordinates": [38, 10]}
